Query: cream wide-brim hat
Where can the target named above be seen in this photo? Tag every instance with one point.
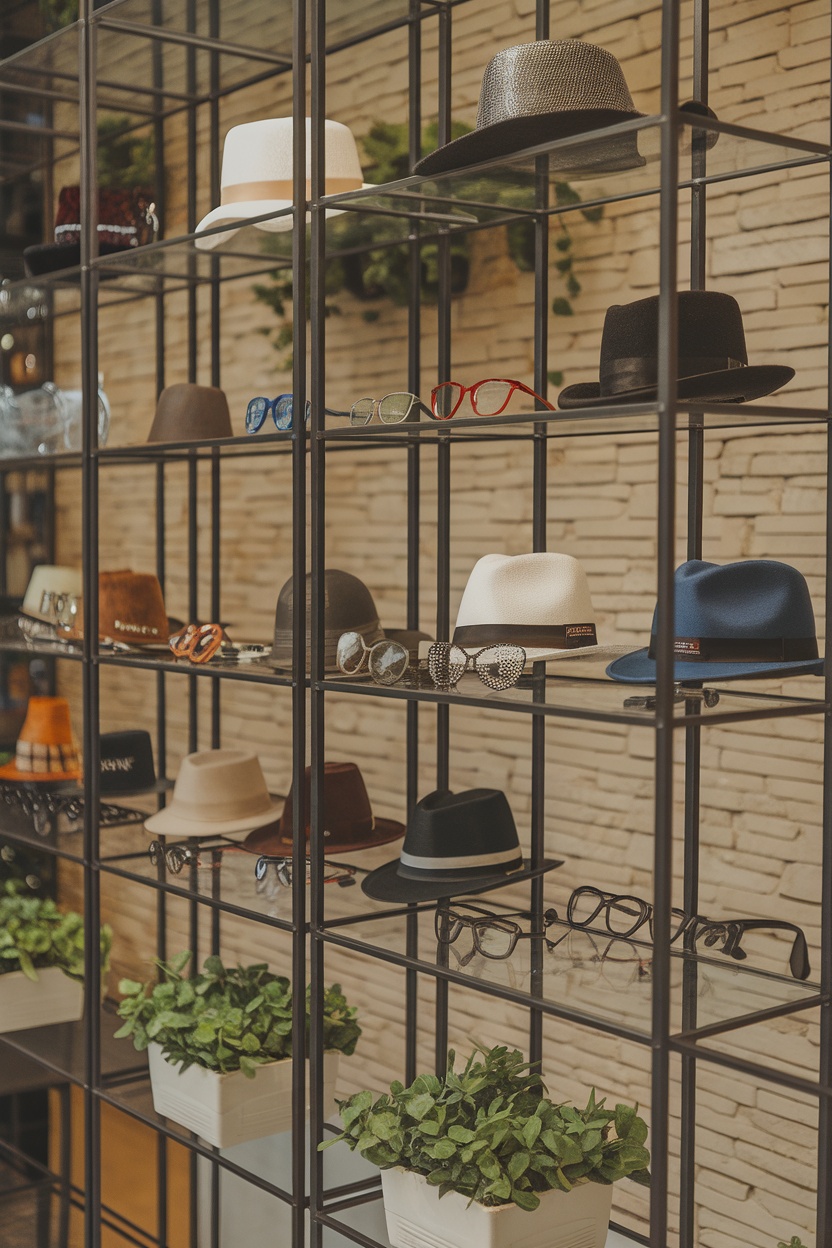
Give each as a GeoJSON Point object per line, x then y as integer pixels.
{"type": "Point", "coordinates": [257, 175]}
{"type": "Point", "coordinates": [527, 599]}
{"type": "Point", "coordinates": [49, 578]}
{"type": "Point", "coordinates": [217, 793]}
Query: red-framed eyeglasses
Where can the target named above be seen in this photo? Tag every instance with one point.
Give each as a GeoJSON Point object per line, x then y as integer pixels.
{"type": "Point", "coordinates": [488, 398]}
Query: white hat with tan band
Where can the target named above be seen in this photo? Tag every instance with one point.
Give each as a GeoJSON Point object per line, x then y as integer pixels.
{"type": "Point", "coordinates": [257, 175]}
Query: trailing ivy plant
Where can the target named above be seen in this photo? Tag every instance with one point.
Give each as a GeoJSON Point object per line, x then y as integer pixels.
{"type": "Point", "coordinates": [374, 264]}
{"type": "Point", "coordinates": [794, 1242]}
{"type": "Point", "coordinates": [35, 934]}
{"type": "Point", "coordinates": [491, 1134]}
{"type": "Point", "coordinates": [225, 1018]}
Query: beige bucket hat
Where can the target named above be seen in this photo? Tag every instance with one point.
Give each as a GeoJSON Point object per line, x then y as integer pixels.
{"type": "Point", "coordinates": [217, 792]}
{"type": "Point", "coordinates": [539, 601]}
{"type": "Point", "coordinates": [257, 174]}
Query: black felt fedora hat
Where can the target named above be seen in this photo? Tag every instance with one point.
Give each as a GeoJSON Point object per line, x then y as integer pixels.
{"type": "Point", "coordinates": [713, 360]}
{"type": "Point", "coordinates": [127, 767]}
{"type": "Point", "coordinates": [538, 92]}
{"type": "Point", "coordinates": [455, 843]}
{"type": "Point", "coordinates": [734, 621]}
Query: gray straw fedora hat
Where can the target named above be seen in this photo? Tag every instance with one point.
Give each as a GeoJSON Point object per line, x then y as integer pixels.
{"type": "Point", "coordinates": [538, 92]}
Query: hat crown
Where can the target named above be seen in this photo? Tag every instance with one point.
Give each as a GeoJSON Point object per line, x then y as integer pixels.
{"type": "Point", "coordinates": [131, 607]}
{"type": "Point", "coordinates": [756, 598]}
{"type": "Point", "coordinates": [126, 761]}
{"type": "Point", "coordinates": [50, 578]}
{"type": "Point", "coordinates": [348, 607]}
{"type": "Point", "coordinates": [472, 832]}
{"type": "Point", "coordinates": [709, 325]}
{"type": "Point", "coordinates": [543, 588]}
{"type": "Point", "coordinates": [261, 151]}
{"type": "Point", "coordinates": [218, 786]}
{"type": "Point", "coordinates": [551, 75]}
{"type": "Point", "coordinates": [186, 411]}
{"type": "Point", "coordinates": [347, 811]}
{"type": "Point", "coordinates": [47, 722]}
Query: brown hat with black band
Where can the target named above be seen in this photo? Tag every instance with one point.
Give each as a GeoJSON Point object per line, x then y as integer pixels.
{"type": "Point", "coordinates": [349, 822]}
{"type": "Point", "coordinates": [190, 413]}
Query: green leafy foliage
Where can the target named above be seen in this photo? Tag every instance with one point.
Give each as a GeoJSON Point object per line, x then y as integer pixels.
{"type": "Point", "coordinates": [57, 13]}
{"type": "Point", "coordinates": [794, 1242]}
{"type": "Point", "coordinates": [35, 934]}
{"type": "Point", "coordinates": [125, 158]}
{"type": "Point", "coordinates": [491, 1134]}
{"type": "Point", "coordinates": [225, 1018]}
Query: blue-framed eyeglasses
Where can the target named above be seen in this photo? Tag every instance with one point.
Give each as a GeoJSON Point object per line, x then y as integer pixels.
{"type": "Point", "coordinates": [281, 409]}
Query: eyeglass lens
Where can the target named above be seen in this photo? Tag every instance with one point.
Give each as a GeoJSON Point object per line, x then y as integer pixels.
{"type": "Point", "coordinates": [394, 408]}
{"type": "Point", "coordinates": [490, 397]}
{"type": "Point", "coordinates": [388, 662]}
{"type": "Point", "coordinates": [498, 667]}
{"type": "Point", "coordinates": [350, 653]}
{"type": "Point", "coordinates": [283, 411]}
{"type": "Point", "coordinates": [361, 412]}
{"type": "Point", "coordinates": [256, 414]}
{"type": "Point", "coordinates": [446, 399]}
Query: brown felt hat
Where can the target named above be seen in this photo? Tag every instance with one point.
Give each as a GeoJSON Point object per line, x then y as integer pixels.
{"type": "Point", "coordinates": [46, 750]}
{"type": "Point", "coordinates": [131, 608]}
{"type": "Point", "coordinates": [349, 823]}
{"type": "Point", "coordinates": [189, 413]}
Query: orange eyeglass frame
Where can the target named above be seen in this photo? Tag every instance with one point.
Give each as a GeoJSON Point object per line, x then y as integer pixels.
{"type": "Point", "coordinates": [197, 642]}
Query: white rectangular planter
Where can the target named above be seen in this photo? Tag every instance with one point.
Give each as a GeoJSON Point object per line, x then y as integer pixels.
{"type": "Point", "coordinates": [55, 998]}
{"type": "Point", "coordinates": [229, 1109]}
{"type": "Point", "coordinates": [417, 1218]}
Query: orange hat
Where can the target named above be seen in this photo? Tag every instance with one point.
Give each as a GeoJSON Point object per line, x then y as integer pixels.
{"type": "Point", "coordinates": [46, 748]}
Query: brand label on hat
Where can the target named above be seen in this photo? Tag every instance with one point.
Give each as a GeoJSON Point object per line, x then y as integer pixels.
{"type": "Point", "coordinates": [117, 764]}
{"type": "Point", "coordinates": [578, 635]}
{"type": "Point", "coordinates": [143, 630]}
{"type": "Point", "coordinates": [691, 646]}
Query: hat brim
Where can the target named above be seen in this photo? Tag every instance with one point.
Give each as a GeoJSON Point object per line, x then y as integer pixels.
{"type": "Point", "coordinates": [384, 831]}
{"type": "Point", "coordinates": [237, 216]}
{"type": "Point", "coordinates": [385, 884]}
{"type": "Point", "coordinates": [514, 134]}
{"type": "Point", "coordinates": [637, 669]}
{"type": "Point", "coordinates": [52, 257]}
{"type": "Point", "coordinates": [10, 771]}
{"type": "Point", "coordinates": [168, 823]}
{"type": "Point", "coordinates": [720, 387]}
{"type": "Point", "coordinates": [582, 652]}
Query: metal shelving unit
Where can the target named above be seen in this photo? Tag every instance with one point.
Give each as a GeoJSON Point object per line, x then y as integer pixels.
{"type": "Point", "coordinates": [176, 58]}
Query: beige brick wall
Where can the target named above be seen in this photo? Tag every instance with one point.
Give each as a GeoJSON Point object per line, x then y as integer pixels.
{"type": "Point", "coordinates": [768, 245]}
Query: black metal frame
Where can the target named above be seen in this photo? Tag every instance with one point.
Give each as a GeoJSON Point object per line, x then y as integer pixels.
{"type": "Point", "coordinates": [305, 454]}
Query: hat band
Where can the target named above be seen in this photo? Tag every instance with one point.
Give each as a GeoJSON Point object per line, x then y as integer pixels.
{"type": "Point", "coordinates": [466, 862]}
{"type": "Point", "coordinates": [636, 372]}
{"type": "Point", "coordinates": [35, 757]}
{"type": "Point", "coordinates": [245, 192]}
{"type": "Point", "coordinates": [562, 636]}
{"type": "Point", "coordinates": [741, 649]}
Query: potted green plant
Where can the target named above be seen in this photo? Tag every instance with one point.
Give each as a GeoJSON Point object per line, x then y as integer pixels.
{"type": "Point", "coordinates": [41, 960]}
{"type": "Point", "coordinates": [220, 1046]}
{"type": "Point", "coordinates": [468, 1159]}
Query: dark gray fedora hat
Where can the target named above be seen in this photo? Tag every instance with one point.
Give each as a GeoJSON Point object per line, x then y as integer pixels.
{"type": "Point", "coordinates": [538, 92]}
{"type": "Point", "coordinates": [455, 843]}
{"type": "Point", "coordinates": [713, 359]}
{"type": "Point", "coordinates": [348, 607]}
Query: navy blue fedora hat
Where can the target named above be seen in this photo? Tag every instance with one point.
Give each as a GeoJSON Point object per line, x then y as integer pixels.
{"type": "Point", "coordinates": [734, 621]}
{"type": "Point", "coordinates": [455, 843]}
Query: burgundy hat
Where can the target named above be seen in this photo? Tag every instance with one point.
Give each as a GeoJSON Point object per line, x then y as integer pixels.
{"type": "Point", "coordinates": [349, 823]}
{"type": "Point", "coordinates": [126, 219]}
{"type": "Point", "coordinates": [188, 413]}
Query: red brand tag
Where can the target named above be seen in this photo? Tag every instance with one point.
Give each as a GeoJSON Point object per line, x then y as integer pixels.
{"type": "Point", "coordinates": [688, 645]}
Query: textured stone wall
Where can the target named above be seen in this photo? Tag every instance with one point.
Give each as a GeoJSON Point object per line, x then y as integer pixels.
{"type": "Point", "coordinates": [764, 497]}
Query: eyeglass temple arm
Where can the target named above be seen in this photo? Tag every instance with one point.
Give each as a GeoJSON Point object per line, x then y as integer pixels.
{"type": "Point", "coordinates": [528, 390]}
{"type": "Point", "coordinates": [799, 956]}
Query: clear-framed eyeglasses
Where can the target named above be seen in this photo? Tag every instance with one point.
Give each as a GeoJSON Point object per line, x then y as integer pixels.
{"type": "Point", "coordinates": [334, 873]}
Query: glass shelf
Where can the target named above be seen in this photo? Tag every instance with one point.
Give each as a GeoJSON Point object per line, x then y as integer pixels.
{"type": "Point", "coordinates": [591, 422]}
{"type": "Point", "coordinates": [597, 980]}
{"type": "Point", "coordinates": [277, 443]}
{"type": "Point", "coordinates": [60, 1048]}
{"type": "Point", "coordinates": [218, 669]}
{"type": "Point", "coordinates": [576, 689]}
{"type": "Point", "coordinates": [505, 189]}
{"type": "Point", "coordinates": [143, 49]}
